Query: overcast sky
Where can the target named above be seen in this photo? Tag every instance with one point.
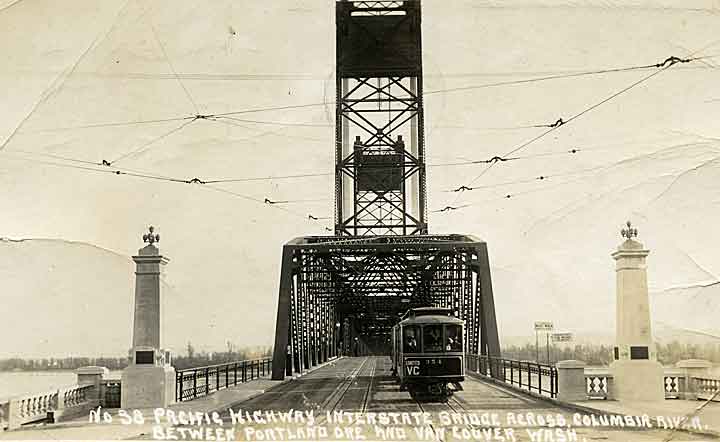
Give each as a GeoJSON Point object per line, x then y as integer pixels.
{"type": "Point", "coordinates": [71, 70]}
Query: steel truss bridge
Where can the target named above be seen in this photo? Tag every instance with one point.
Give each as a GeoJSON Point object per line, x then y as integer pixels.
{"type": "Point", "coordinates": [341, 294]}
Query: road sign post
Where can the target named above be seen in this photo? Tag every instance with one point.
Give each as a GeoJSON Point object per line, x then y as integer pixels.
{"type": "Point", "coordinates": [562, 337]}
{"type": "Point", "coordinates": [547, 327]}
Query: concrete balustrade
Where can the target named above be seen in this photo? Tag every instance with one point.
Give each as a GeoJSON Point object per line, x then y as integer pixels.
{"type": "Point", "coordinates": [59, 404]}
{"type": "Point", "coordinates": [693, 368]}
{"type": "Point", "coordinates": [689, 379]}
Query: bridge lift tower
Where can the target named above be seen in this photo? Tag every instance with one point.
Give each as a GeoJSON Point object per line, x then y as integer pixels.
{"type": "Point", "coordinates": [341, 294]}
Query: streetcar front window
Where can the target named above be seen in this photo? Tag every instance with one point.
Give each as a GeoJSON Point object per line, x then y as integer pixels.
{"type": "Point", "coordinates": [433, 338]}
{"type": "Point", "coordinates": [411, 339]}
{"type": "Point", "coordinates": [453, 337]}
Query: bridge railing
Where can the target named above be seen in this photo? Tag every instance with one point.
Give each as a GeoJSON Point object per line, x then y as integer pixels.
{"type": "Point", "coordinates": [193, 383]}
{"type": "Point", "coordinates": [706, 387]}
{"type": "Point", "coordinates": [527, 375]}
{"type": "Point", "coordinates": [49, 405]}
{"type": "Point", "coordinates": [678, 385]}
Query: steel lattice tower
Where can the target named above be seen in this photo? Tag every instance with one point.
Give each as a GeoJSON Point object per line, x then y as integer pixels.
{"type": "Point", "coordinates": [379, 146]}
{"type": "Point", "coordinates": [341, 294]}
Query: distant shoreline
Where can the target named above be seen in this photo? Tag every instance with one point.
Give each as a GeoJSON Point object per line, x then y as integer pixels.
{"type": "Point", "coordinates": [53, 370]}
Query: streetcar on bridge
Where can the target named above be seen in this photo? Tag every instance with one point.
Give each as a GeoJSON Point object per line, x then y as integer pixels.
{"type": "Point", "coordinates": [428, 352]}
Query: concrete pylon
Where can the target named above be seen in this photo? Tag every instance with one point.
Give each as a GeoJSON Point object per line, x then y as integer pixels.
{"type": "Point", "coordinates": [149, 379]}
{"type": "Point", "coordinates": [637, 376]}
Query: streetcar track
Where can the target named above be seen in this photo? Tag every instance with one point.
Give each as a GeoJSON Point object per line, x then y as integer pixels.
{"type": "Point", "coordinates": [431, 426]}
{"type": "Point", "coordinates": [368, 391]}
{"type": "Point", "coordinates": [339, 393]}
{"type": "Point", "coordinates": [336, 397]}
{"type": "Point", "coordinates": [449, 404]}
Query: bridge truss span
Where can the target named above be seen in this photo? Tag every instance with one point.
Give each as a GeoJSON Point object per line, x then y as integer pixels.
{"type": "Point", "coordinates": [342, 296]}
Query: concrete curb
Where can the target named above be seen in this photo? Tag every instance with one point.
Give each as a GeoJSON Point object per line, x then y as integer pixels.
{"type": "Point", "coordinates": [583, 408]}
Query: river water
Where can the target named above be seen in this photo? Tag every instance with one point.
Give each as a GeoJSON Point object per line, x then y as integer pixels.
{"type": "Point", "coordinates": [15, 383]}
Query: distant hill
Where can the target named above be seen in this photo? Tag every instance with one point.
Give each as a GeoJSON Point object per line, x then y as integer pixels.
{"type": "Point", "coordinates": [71, 298]}
{"type": "Point", "coordinates": [561, 269]}
{"type": "Point", "coordinates": [63, 298]}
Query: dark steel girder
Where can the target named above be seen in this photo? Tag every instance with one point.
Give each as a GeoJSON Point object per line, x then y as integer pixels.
{"type": "Point", "coordinates": [378, 277]}
{"type": "Point", "coordinates": [336, 292]}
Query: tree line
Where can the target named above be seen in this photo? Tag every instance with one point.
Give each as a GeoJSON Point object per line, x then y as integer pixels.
{"type": "Point", "coordinates": [190, 359]}
{"type": "Point", "coordinates": [599, 354]}
{"type": "Point", "coordinates": [592, 354]}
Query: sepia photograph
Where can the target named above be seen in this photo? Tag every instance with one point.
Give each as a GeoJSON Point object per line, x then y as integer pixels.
{"type": "Point", "coordinates": [348, 220]}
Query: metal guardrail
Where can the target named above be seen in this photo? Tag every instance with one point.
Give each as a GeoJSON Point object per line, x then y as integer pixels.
{"type": "Point", "coordinates": [193, 383]}
{"type": "Point", "coordinates": [526, 375]}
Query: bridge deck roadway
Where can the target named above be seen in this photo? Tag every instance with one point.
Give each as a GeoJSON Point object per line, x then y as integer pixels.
{"type": "Point", "coordinates": [364, 385]}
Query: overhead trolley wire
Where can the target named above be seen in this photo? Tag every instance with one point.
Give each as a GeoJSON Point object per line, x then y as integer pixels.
{"type": "Point", "coordinates": [90, 163]}
{"type": "Point", "coordinates": [318, 104]}
{"type": "Point", "coordinates": [269, 178]}
{"type": "Point", "coordinates": [510, 195]}
{"type": "Point", "coordinates": [666, 64]}
{"type": "Point", "coordinates": [560, 76]}
{"type": "Point", "coordinates": [276, 123]}
{"type": "Point", "coordinates": [269, 201]}
{"type": "Point", "coordinates": [115, 171]}
{"type": "Point", "coordinates": [163, 120]}
{"type": "Point", "coordinates": [116, 124]}
{"type": "Point", "coordinates": [265, 203]}
{"type": "Point", "coordinates": [464, 188]}
{"type": "Point", "coordinates": [277, 205]}
{"type": "Point", "coordinates": [526, 180]}
{"type": "Point", "coordinates": [63, 77]}
{"type": "Point", "coordinates": [496, 159]}
{"type": "Point", "coordinates": [144, 147]}
{"type": "Point", "coordinates": [195, 180]}
{"type": "Point", "coordinates": [450, 208]}
{"type": "Point", "coordinates": [268, 109]}
{"type": "Point", "coordinates": [546, 177]}
{"type": "Point", "coordinates": [201, 76]}
{"type": "Point", "coordinates": [278, 132]}
{"type": "Point", "coordinates": [172, 68]}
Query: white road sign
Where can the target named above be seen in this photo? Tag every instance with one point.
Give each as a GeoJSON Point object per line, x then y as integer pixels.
{"type": "Point", "coordinates": [543, 326]}
{"type": "Point", "coordinates": [562, 337]}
